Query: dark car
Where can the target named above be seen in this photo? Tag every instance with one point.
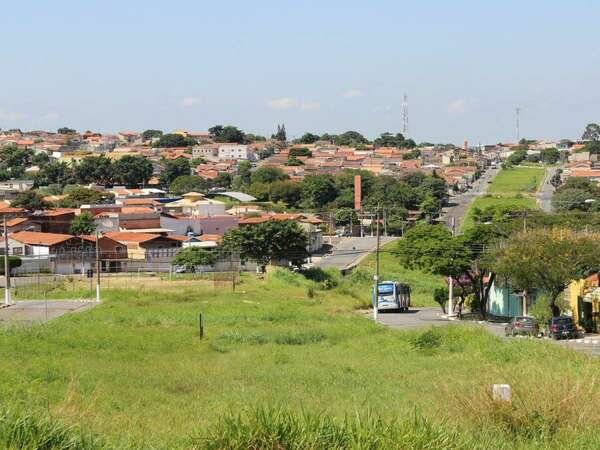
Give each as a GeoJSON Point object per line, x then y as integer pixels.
{"type": "Point", "coordinates": [562, 327]}
{"type": "Point", "coordinates": [522, 325]}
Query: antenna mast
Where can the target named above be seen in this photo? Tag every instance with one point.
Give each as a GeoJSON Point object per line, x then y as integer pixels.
{"type": "Point", "coordinates": [404, 115]}
{"type": "Point", "coordinates": [517, 112]}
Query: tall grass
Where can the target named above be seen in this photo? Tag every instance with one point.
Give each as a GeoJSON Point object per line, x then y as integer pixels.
{"type": "Point", "coordinates": [278, 429]}
{"type": "Point", "coordinates": [26, 432]}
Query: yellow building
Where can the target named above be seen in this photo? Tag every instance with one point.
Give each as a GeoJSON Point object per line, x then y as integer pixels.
{"type": "Point", "coordinates": [584, 297]}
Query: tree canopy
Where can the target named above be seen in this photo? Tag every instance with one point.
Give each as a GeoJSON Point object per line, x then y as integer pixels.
{"type": "Point", "coordinates": [174, 140]}
{"type": "Point", "coordinates": [132, 171]}
{"type": "Point", "coordinates": [268, 241]}
{"type": "Point", "coordinates": [547, 260]}
{"type": "Point", "coordinates": [82, 224]}
{"type": "Point", "coordinates": [173, 168]}
{"type": "Point", "coordinates": [29, 200]}
{"type": "Point", "coordinates": [591, 132]}
{"type": "Point", "coordinates": [188, 183]}
{"type": "Point", "coordinates": [227, 133]}
{"type": "Point", "coordinates": [194, 256]}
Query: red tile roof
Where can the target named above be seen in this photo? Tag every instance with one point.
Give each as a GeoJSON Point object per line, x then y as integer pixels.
{"type": "Point", "coordinates": [39, 238]}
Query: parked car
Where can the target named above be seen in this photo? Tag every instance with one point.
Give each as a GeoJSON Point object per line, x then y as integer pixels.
{"type": "Point", "coordinates": [522, 325]}
{"type": "Point", "coordinates": [562, 327]}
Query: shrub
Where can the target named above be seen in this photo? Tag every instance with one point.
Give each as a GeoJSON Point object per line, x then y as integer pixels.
{"type": "Point", "coordinates": [428, 340]}
{"type": "Point", "coordinates": [440, 296]}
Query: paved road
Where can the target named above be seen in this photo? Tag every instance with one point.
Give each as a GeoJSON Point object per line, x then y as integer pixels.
{"type": "Point", "coordinates": [546, 191]}
{"type": "Point", "coordinates": [349, 252]}
{"type": "Point", "coordinates": [462, 201]}
{"type": "Point", "coordinates": [427, 317]}
{"type": "Point", "coordinates": [34, 311]}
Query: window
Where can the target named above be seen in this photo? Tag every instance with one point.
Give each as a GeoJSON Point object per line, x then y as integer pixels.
{"type": "Point", "coordinates": [16, 250]}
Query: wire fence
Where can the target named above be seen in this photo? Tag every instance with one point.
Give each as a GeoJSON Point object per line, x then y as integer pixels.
{"type": "Point", "coordinates": [75, 275]}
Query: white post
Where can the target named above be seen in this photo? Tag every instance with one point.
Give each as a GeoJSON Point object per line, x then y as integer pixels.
{"type": "Point", "coordinates": [7, 298]}
{"type": "Point", "coordinates": [376, 298]}
{"type": "Point", "coordinates": [451, 296]}
{"type": "Point", "coordinates": [97, 270]}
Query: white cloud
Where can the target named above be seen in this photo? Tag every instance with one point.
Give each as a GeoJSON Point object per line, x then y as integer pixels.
{"type": "Point", "coordinates": [458, 106]}
{"type": "Point", "coordinates": [353, 93]}
{"type": "Point", "coordinates": [310, 105]}
{"type": "Point", "coordinates": [283, 103]}
{"type": "Point", "coordinates": [189, 101]}
{"type": "Point", "coordinates": [12, 115]}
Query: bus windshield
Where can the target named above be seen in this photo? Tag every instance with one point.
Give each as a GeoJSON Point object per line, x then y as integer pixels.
{"type": "Point", "coordinates": [386, 289]}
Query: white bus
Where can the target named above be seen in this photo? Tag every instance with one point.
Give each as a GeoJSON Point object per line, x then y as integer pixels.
{"type": "Point", "coordinates": [392, 296]}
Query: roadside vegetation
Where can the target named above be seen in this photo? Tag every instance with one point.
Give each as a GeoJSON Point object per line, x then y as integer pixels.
{"type": "Point", "coordinates": [287, 361]}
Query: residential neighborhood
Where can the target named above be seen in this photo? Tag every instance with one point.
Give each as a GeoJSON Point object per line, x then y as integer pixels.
{"type": "Point", "coordinates": [299, 225]}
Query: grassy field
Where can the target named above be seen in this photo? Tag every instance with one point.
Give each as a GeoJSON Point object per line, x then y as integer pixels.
{"type": "Point", "coordinates": [285, 363]}
{"type": "Point", "coordinates": [517, 180]}
{"type": "Point", "coordinates": [511, 187]}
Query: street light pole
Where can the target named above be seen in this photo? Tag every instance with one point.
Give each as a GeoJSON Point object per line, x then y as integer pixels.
{"type": "Point", "coordinates": [7, 298]}
{"type": "Point", "coordinates": [451, 280]}
{"type": "Point", "coordinates": [376, 277]}
{"type": "Point", "coordinates": [97, 269]}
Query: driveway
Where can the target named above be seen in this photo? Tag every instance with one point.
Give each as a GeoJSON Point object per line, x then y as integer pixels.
{"type": "Point", "coordinates": [35, 311]}
{"type": "Point", "coordinates": [427, 317]}
{"type": "Point", "coordinates": [460, 203]}
{"type": "Point", "coordinates": [349, 252]}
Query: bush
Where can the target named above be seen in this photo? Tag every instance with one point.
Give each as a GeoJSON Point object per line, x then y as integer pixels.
{"type": "Point", "coordinates": [440, 296]}
{"type": "Point", "coordinates": [428, 341]}
{"type": "Point", "coordinates": [13, 263]}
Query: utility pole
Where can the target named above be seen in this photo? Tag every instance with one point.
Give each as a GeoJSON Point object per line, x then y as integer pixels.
{"type": "Point", "coordinates": [451, 282]}
{"type": "Point", "coordinates": [97, 269]}
{"type": "Point", "coordinates": [376, 277]}
{"type": "Point", "coordinates": [7, 299]}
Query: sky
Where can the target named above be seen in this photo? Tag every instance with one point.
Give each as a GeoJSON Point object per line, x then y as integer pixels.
{"type": "Point", "coordinates": [318, 66]}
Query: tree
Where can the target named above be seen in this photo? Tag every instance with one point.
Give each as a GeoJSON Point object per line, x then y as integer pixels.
{"type": "Point", "coordinates": [132, 171]}
{"type": "Point", "coordinates": [293, 161]}
{"type": "Point", "coordinates": [94, 169]}
{"type": "Point", "coordinates": [79, 195]}
{"type": "Point", "coordinates": [432, 248]}
{"type": "Point", "coordinates": [549, 155]}
{"type": "Point", "coordinates": [285, 191]}
{"type": "Point", "coordinates": [223, 180]}
{"type": "Point", "coordinates": [269, 241]}
{"type": "Point", "coordinates": [308, 138]}
{"type": "Point", "coordinates": [194, 256]}
{"type": "Point", "coordinates": [346, 216]}
{"type": "Point", "coordinates": [244, 172]}
{"type": "Point", "coordinates": [547, 260]}
{"type": "Point", "coordinates": [576, 194]}
{"type": "Point", "coordinates": [280, 135]}
{"type": "Point", "coordinates": [14, 160]}
{"type": "Point", "coordinates": [592, 147]}
{"type": "Point", "coordinates": [150, 134]}
{"type": "Point", "coordinates": [29, 200]}
{"type": "Point", "coordinates": [318, 190]}
{"type": "Point", "coordinates": [300, 151]}
{"type": "Point", "coordinates": [66, 130]}
{"type": "Point", "coordinates": [173, 168]}
{"type": "Point", "coordinates": [267, 175]}
{"type": "Point", "coordinates": [351, 138]}
{"type": "Point", "coordinates": [228, 133]}
{"type": "Point", "coordinates": [591, 132]}
{"type": "Point", "coordinates": [82, 224]}
{"type": "Point", "coordinates": [389, 140]}
{"type": "Point", "coordinates": [440, 296]}
{"type": "Point", "coordinates": [56, 172]}
{"type": "Point", "coordinates": [174, 140]}
{"type": "Point", "coordinates": [188, 183]}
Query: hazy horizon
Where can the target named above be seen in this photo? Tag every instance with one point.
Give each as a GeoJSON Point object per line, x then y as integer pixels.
{"type": "Point", "coordinates": [332, 67]}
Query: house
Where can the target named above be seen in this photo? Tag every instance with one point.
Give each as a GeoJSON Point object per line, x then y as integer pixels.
{"type": "Point", "coordinates": [584, 298]}
{"type": "Point", "coordinates": [209, 152]}
{"type": "Point", "coordinates": [503, 301]}
{"type": "Point", "coordinates": [183, 224]}
{"type": "Point", "coordinates": [234, 151]}
{"type": "Point", "coordinates": [10, 188]}
{"type": "Point", "coordinates": [54, 220]}
{"type": "Point", "coordinates": [196, 205]}
{"type": "Point", "coordinates": [147, 246]}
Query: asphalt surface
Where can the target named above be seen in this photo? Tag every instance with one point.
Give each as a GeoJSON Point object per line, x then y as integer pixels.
{"type": "Point", "coordinates": [349, 252]}
{"type": "Point", "coordinates": [460, 203]}
{"type": "Point", "coordinates": [546, 191]}
{"type": "Point", "coordinates": [428, 317]}
{"type": "Point", "coordinates": [36, 311]}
